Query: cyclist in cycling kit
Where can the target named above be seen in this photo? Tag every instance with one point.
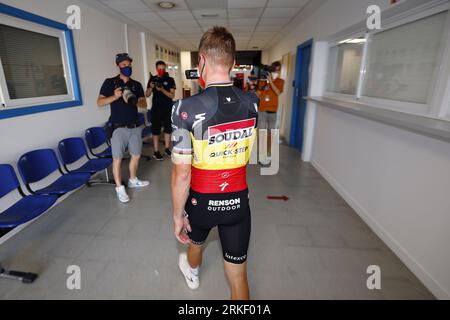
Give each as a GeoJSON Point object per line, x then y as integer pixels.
{"type": "Point", "coordinates": [213, 137]}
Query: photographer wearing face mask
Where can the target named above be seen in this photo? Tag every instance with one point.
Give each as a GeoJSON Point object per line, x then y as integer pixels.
{"type": "Point", "coordinates": [125, 96]}
{"type": "Point", "coordinates": [163, 89]}
{"type": "Point", "coordinates": [268, 107]}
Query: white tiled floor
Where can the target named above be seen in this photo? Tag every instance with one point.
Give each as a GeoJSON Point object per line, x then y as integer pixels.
{"type": "Point", "coordinates": [313, 246]}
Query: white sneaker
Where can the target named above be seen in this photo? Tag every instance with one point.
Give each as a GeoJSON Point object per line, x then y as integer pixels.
{"type": "Point", "coordinates": [192, 280]}
{"type": "Point", "coordinates": [122, 194]}
{"type": "Point", "coordinates": [136, 183]}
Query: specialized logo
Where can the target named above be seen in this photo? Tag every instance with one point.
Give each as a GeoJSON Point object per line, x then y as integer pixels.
{"type": "Point", "coordinates": [224, 205]}
{"type": "Point", "coordinates": [184, 115]}
{"type": "Point", "coordinates": [231, 132]}
{"type": "Point", "coordinates": [223, 186]}
{"type": "Point", "coordinates": [194, 201]}
{"type": "Point", "coordinates": [228, 99]}
{"type": "Point", "coordinates": [199, 118]}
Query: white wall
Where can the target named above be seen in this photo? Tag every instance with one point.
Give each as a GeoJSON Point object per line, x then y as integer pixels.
{"type": "Point", "coordinates": [99, 39]}
{"type": "Point", "coordinates": [96, 44]}
{"type": "Point", "coordinates": [397, 181]}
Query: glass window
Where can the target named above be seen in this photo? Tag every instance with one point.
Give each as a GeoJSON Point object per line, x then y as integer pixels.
{"type": "Point", "coordinates": [344, 63]}
{"type": "Point", "coordinates": [402, 61]}
{"type": "Point", "coordinates": [32, 63]}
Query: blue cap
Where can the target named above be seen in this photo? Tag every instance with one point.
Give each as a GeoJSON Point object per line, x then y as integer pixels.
{"type": "Point", "coordinates": [122, 57]}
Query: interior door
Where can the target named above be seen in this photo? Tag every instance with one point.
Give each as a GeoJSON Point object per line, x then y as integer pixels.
{"type": "Point", "coordinates": [301, 85]}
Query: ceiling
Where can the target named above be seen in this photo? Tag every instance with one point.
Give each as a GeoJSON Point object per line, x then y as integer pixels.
{"type": "Point", "coordinates": [254, 23]}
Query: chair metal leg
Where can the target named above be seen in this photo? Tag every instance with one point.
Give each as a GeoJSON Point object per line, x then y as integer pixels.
{"type": "Point", "coordinates": [25, 277]}
{"type": "Point", "coordinates": [99, 182]}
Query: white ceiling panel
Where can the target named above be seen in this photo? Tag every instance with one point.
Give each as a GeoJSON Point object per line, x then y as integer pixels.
{"type": "Point", "coordinates": [263, 34]}
{"type": "Point", "coordinates": [262, 27]}
{"type": "Point", "coordinates": [206, 4]}
{"type": "Point", "coordinates": [286, 3]}
{"type": "Point", "coordinates": [241, 29]}
{"type": "Point", "coordinates": [164, 30]}
{"type": "Point", "coordinates": [246, 3]}
{"type": "Point", "coordinates": [213, 22]}
{"type": "Point", "coordinates": [245, 13]}
{"type": "Point", "coordinates": [176, 15]}
{"type": "Point", "coordinates": [153, 4]}
{"type": "Point", "coordinates": [154, 24]}
{"type": "Point", "coordinates": [280, 12]}
{"type": "Point", "coordinates": [207, 14]}
{"type": "Point", "coordinates": [252, 22]}
{"type": "Point", "coordinates": [184, 23]}
{"type": "Point", "coordinates": [273, 21]}
{"type": "Point", "coordinates": [143, 16]}
{"type": "Point", "coordinates": [190, 31]}
{"type": "Point", "coordinates": [126, 6]}
{"type": "Point", "coordinates": [242, 22]}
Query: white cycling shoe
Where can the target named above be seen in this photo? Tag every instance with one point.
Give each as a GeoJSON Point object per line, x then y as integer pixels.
{"type": "Point", "coordinates": [192, 280]}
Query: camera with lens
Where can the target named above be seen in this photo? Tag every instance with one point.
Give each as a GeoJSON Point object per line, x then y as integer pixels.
{"type": "Point", "coordinates": [266, 70]}
{"type": "Point", "coordinates": [156, 80]}
{"type": "Point", "coordinates": [129, 96]}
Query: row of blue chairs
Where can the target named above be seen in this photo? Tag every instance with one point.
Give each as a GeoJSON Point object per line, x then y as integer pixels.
{"type": "Point", "coordinates": [34, 166]}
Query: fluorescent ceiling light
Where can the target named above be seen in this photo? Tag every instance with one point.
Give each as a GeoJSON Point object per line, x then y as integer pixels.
{"type": "Point", "coordinates": [358, 40]}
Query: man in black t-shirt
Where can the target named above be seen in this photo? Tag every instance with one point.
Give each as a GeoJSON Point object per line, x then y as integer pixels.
{"type": "Point", "coordinates": [163, 89]}
{"type": "Point", "coordinates": [125, 96]}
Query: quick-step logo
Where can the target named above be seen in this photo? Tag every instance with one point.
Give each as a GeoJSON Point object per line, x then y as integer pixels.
{"type": "Point", "coordinates": [231, 131]}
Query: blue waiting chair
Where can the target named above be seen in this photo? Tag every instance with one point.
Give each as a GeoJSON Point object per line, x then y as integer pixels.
{"type": "Point", "coordinates": [146, 131]}
{"type": "Point", "coordinates": [72, 150]}
{"type": "Point", "coordinates": [38, 164]}
{"type": "Point", "coordinates": [95, 138]}
{"type": "Point", "coordinates": [24, 210]}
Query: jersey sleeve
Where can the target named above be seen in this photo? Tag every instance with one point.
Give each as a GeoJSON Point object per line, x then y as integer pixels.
{"type": "Point", "coordinates": [181, 135]}
{"type": "Point", "coordinates": [107, 88]}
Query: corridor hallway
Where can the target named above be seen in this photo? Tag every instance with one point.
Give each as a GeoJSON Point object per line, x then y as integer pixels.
{"type": "Point", "coordinates": [312, 246]}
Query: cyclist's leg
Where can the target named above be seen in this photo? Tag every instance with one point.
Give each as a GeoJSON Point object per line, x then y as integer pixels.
{"type": "Point", "coordinates": [237, 279]}
{"type": "Point", "coordinates": [201, 225]}
{"type": "Point", "coordinates": [194, 255]}
{"type": "Point", "coordinates": [235, 239]}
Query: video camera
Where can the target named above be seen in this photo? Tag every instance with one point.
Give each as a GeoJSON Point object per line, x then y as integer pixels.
{"type": "Point", "coordinates": [192, 74]}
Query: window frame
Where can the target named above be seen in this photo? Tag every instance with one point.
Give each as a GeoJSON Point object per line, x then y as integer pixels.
{"type": "Point", "coordinates": [336, 43]}
{"type": "Point", "coordinates": [438, 103]}
{"type": "Point", "coordinates": [30, 22]}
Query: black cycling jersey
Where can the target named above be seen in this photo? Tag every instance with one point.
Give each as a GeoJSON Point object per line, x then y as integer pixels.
{"type": "Point", "coordinates": [215, 131]}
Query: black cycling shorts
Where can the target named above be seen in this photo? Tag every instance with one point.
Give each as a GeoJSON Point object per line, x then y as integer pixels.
{"type": "Point", "coordinates": [230, 212]}
{"type": "Point", "coordinates": [161, 117]}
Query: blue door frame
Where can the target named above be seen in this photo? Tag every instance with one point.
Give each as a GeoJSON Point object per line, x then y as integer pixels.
{"type": "Point", "coordinates": [301, 85]}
